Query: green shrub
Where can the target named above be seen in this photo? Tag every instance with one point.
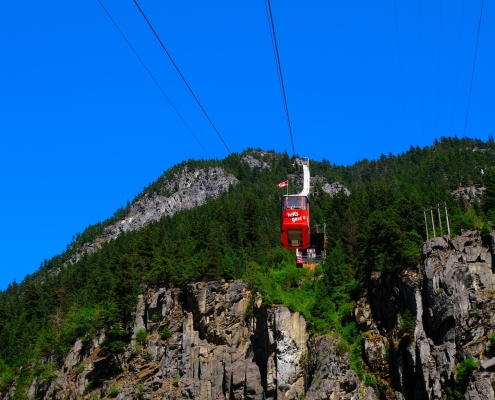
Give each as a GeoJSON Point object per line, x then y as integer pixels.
{"type": "Point", "coordinates": [486, 233]}
{"type": "Point", "coordinates": [140, 392]}
{"type": "Point", "coordinates": [47, 373]}
{"type": "Point", "coordinates": [141, 335]}
{"type": "Point", "coordinates": [491, 340]}
{"type": "Point", "coordinates": [407, 323]}
{"type": "Point", "coordinates": [355, 359]}
{"type": "Point", "coordinates": [176, 380]}
{"type": "Point", "coordinates": [370, 380]}
{"type": "Point", "coordinates": [6, 379]}
{"type": "Point", "coordinates": [155, 316]}
{"type": "Point", "coordinates": [343, 346]}
{"type": "Point", "coordinates": [89, 387]}
{"type": "Point", "coordinates": [136, 349]}
{"type": "Point", "coordinates": [77, 369]}
{"type": "Point", "coordinates": [464, 371]}
{"type": "Point", "coordinates": [114, 391]}
{"type": "Point", "coordinates": [166, 333]}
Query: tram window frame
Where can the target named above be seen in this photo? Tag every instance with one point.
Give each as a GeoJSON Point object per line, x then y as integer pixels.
{"type": "Point", "coordinates": [303, 201]}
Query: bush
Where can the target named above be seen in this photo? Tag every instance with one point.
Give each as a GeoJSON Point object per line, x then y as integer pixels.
{"type": "Point", "coordinates": [407, 323]}
{"type": "Point", "coordinates": [114, 342]}
{"type": "Point", "coordinates": [369, 380]}
{"type": "Point", "coordinates": [166, 333]}
{"type": "Point", "coordinates": [464, 371]}
{"type": "Point", "coordinates": [6, 379]}
{"type": "Point", "coordinates": [491, 340]}
{"type": "Point", "coordinates": [114, 391]}
{"type": "Point", "coordinates": [140, 392]}
{"type": "Point", "coordinates": [155, 316]}
{"type": "Point", "coordinates": [486, 233]}
{"type": "Point", "coordinates": [141, 336]}
{"type": "Point", "coordinates": [342, 346]}
{"type": "Point", "coordinates": [46, 373]}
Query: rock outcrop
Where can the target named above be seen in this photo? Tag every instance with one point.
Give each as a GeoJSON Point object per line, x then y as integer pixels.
{"type": "Point", "coordinates": [255, 163]}
{"type": "Point", "coordinates": [188, 188]}
{"type": "Point", "coordinates": [209, 341]}
{"type": "Point", "coordinates": [450, 301]}
{"type": "Point", "coordinates": [469, 194]}
{"type": "Point", "coordinates": [333, 187]}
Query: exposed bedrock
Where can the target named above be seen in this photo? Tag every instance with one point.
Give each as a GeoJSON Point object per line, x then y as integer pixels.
{"type": "Point", "coordinates": [450, 299]}
{"type": "Point", "coordinates": [215, 349]}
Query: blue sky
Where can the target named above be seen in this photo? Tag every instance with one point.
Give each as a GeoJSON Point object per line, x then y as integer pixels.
{"type": "Point", "coordinates": [84, 128]}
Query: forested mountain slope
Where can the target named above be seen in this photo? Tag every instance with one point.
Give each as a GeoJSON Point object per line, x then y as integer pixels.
{"type": "Point", "coordinates": [234, 234]}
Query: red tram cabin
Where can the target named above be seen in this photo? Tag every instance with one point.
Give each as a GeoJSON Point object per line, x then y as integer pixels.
{"type": "Point", "coordinates": [294, 222]}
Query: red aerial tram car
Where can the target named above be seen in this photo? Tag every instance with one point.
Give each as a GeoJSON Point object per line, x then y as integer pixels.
{"type": "Point", "coordinates": [294, 220]}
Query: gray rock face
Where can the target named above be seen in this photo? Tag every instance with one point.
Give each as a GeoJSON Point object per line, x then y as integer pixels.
{"type": "Point", "coordinates": [213, 352]}
{"type": "Point", "coordinates": [331, 376]}
{"type": "Point", "coordinates": [189, 189]}
{"type": "Point", "coordinates": [450, 297]}
{"type": "Point", "coordinates": [332, 188]}
{"type": "Point", "coordinates": [469, 194]}
{"type": "Point", "coordinates": [193, 188]}
{"type": "Point", "coordinates": [254, 163]}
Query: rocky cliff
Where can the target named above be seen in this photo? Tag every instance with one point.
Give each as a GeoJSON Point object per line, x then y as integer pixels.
{"type": "Point", "coordinates": [184, 190]}
{"type": "Point", "coordinates": [208, 341]}
{"type": "Point", "coordinates": [450, 297]}
{"type": "Point", "coordinates": [217, 340]}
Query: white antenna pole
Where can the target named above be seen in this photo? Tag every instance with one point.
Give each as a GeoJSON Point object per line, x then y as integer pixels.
{"type": "Point", "coordinates": [439, 219]}
{"type": "Point", "coordinates": [426, 224]}
{"type": "Point", "coordinates": [447, 217]}
{"type": "Point", "coordinates": [433, 222]}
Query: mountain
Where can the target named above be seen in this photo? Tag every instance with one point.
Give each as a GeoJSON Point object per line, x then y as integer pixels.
{"type": "Point", "coordinates": [371, 320]}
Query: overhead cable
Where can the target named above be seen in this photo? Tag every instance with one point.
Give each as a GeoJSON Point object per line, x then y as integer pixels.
{"type": "Point", "coordinates": [280, 76]}
{"type": "Point", "coordinates": [400, 68]}
{"type": "Point", "coordinates": [474, 66]}
{"type": "Point", "coordinates": [457, 69]}
{"type": "Point", "coordinates": [438, 66]}
{"type": "Point", "coordinates": [421, 68]}
{"type": "Point", "coordinates": [182, 76]}
{"type": "Point", "coordinates": [152, 77]}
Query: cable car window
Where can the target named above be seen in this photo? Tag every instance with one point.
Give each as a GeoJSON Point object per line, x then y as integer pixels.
{"type": "Point", "coordinates": [294, 203]}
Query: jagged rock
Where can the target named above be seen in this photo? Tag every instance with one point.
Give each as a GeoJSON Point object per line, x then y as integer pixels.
{"type": "Point", "coordinates": [469, 194]}
{"type": "Point", "coordinates": [451, 298]}
{"type": "Point", "coordinates": [255, 163]}
{"type": "Point", "coordinates": [375, 351]}
{"type": "Point", "coordinates": [328, 373]}
{"type": "Point", "coordinates": [188, 189]}
{"type": "Point", "coordinates": [333, 187]}
{"type": "Point", "coordinates": [213, 352]}
{"type": "Point", "coordinates": [488, 365]}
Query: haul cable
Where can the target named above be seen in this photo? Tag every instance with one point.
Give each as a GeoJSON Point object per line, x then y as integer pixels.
{"type": "Point", "coordinates": [400, 68]}
{"type": "Point", "coordinates": [457, 69]}
{"type": "Point", "coordinates": [474, 67]}
{"type": "Point", "coordinates": [182, 76]}
{"type": "Point", "coordinates": [152, 77]}
{"type": "Point", "coordinates": [280, 76]}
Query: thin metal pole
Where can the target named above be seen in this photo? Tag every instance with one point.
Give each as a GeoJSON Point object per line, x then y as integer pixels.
{"type": "Point", "coordinates": [426, 224]}
{"type": "Point", "coordinates": [439, 220]}
{"type": "Point", "coordinates": [432, 222]}
{"type": "Point", "coordinates": [447, 217]}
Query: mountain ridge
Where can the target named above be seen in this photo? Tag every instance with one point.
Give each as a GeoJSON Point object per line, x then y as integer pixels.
{"type": "Point", "coordinates": [376, 228]}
